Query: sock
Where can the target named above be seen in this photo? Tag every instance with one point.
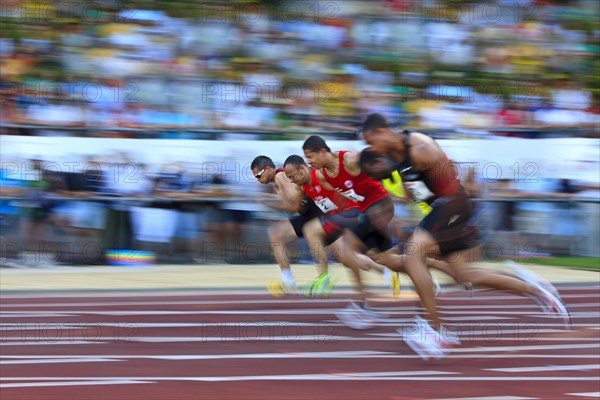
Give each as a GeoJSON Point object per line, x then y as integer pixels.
{"type": "Point", "coordinates": [287, 277]}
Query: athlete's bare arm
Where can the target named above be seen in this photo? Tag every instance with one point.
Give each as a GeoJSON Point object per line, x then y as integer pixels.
{"type": "Point", "coordinates": [291, 195]}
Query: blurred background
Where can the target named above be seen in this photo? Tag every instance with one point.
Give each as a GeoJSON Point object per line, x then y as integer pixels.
{"type": "Point", "coordinates": [127, 128]}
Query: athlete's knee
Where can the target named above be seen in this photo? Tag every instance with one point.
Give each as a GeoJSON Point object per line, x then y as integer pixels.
{"type": "Point", "coordinates": [273, 232]}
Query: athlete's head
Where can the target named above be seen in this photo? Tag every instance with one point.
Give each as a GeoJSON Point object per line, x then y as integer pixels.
{"type": "Point", "coordinates": [296, 170]}
{"type": "Point", "coordinates": [377, 133]}
{"type": "Point", "coordinates": [375, 165]}
{"type": "Point", "coordinates": [263, 169]}
{"type": "Point", "coordinates": [316, 151]}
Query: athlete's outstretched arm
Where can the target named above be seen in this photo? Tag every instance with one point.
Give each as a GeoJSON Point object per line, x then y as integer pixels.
{"type": "Point", "coordinates": [290, 195]}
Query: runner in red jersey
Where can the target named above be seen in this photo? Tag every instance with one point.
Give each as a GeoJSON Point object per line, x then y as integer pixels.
{"type": "Point", "coordinates": [446, 231]}
{"type": "Point", "coordinates": [282, 232]}
{"type": "Point", "coordinates": [360, 188]}
{"type": "Point", "coordinates": [340, 214]}
{"type": "Point", "coordinates": [342, 171]}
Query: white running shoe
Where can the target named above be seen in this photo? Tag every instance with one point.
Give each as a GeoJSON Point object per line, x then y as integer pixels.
{"type": "Point", "coordinates": [427, 342]}
{"type": "Point", "coordinates": [377, 316]}
{"type": "Point", "coordinates": [552, 304]}
{"type": "Point", "coordinates": [356, 317]}
{"type": "Point", "coordinates": [529, 277]}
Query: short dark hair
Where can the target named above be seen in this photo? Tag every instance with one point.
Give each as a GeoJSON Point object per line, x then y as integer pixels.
{"type": "Point", "coordinates": [314, 144]}
{"type": "Point", "coordinates": [294, 160]}
{"type": "Point", "coordinates": [262, 161]}
{"type": "Point", "coordinates": [374, 121]}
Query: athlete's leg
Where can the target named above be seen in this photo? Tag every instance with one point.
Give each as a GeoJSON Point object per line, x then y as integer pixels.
{"type": "Point", "coordinates": [368, 264]}
{"type": "Point", "coordinates": [380, 215]}
{"type": "Point", "coordinates": [461, 264]}
{"type": "Point", "coordinates": [280, 234]}
{"type": "Point", "coordinates": [315, 237]}
{"type": "Point", "coordinates": [350, 259]}
{"type": "Point", "coordinates": [421, 244]}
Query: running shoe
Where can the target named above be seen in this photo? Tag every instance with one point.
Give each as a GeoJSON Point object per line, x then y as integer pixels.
{"type": "Point", "coordinates": [279, 289]}
{"type": "Point", "coordinates": [358, 317]}
{"type": "Point", "coordinates": [527, 276]}
{"type": "Point", "coordinates": [320, 287]}
{"type": "Point", "coordinates": [427, 342]}
{"type": "Point", "coordinates": [552, 304]}
{"type": "Point", "coordinates": [377, 316]}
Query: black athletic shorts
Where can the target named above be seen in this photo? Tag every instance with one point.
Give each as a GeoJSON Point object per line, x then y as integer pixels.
{"type": "Point", "coordinates": [450, 223]}
{"type": "Point", "coordinates": [366, 231]}
{"type": "Point", "coordinates": [299, 220]}
{"type": "Point", "coordinates": [334, 225]}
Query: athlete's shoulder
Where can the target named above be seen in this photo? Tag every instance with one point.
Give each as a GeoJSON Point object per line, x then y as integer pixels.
{"type": "Point", "coordinates": [421, 139]}
{"type": "Point", "coordinates": [425, 151]}
{"type": "Point", "coordinates": [352, 162]}
{"type": "Point", "coordinates": [281, 178]}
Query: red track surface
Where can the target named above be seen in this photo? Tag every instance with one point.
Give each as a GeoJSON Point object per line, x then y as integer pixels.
{"type": "Point", "coordinates": [224, 346]}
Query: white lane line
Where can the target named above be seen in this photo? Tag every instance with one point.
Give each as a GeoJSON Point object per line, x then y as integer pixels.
{"type": "Point", "coordinates": [508, 328]}
{"type": "Point", "coordinates": [73, 383]}
{"type": "Point", "coordinates": [71, 313]}
{"type": "Point", "coordinates": [175, 302]}
{"type": "Point", "coordinates": [311, 354]}
{"type": "Point", "coordinates": [491, 398]}
{"type": "Point", "coordinates": [294, 338]}
{"type": "Point", "coordinates": [176, 357]}
{"type": "Point", "coordinates": [595, 395]}
{"type": "Point", "coordinates": [298, 311]}
{"type": "Point", "coordinates": [546, 368]}
{"type": "Point", "coordinates": [523, 325]}
{"type": "Point", "coordinates": [383, 376]}
{"type": "Point", "coordinates": [33, 314]}
{"type": "Point", "coordinates": [497, 338]}
{"type": "Point", "coordinates": [475, 318]}
{"type": "Point", "coordinates": [590, 314]}
{"type": "Point", "coordinates": [57, 360]}
{"type": "Point", "coordinates": [592, 294]}
{"type": "Point", "coordinates": [23, 326]}
{"type": "Point", "coordinates": [51, 342]}
{"type": "Point", "coordinates": [522, 348]}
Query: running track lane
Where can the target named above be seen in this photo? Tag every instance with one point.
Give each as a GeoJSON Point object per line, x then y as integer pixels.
{"type": "Point", "coordinates": [227, 346]}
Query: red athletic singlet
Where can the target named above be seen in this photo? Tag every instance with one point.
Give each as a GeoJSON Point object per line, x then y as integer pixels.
{"type": "Point", "coordinates": [329, 201]}
{"type": "Point", "coordinates": [361, 188]}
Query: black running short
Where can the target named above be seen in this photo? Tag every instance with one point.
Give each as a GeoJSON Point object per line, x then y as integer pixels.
{"type": "Point", "coordinates": [368, 233]}
{"type": "Point", "coordinates": [299, 220]}
{"type": "Point", "coordinates": [450, 223]}
{"type": "Point", "coordinates": [334, 225]}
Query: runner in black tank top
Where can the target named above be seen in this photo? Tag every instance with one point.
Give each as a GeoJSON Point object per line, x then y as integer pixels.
{"type": "Point", "coordinates": [445, 231]}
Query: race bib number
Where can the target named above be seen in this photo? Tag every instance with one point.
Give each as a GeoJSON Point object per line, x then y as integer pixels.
{"type": "Point", "coordinates": [326, 205]}
{"type": "Point", "coordinates": [419, 190]}
{"type": "Point", "coordinates": [352, 195]}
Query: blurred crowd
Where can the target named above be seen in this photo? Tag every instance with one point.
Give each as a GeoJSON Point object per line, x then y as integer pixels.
{"type": "Point", "coordinates": [462, 67]}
